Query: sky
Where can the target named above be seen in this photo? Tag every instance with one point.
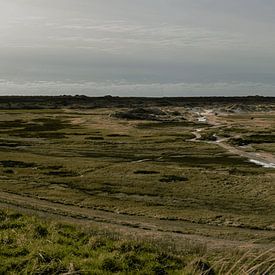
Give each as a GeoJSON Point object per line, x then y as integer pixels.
{"type": "Point", "coordinates": [137, 47]}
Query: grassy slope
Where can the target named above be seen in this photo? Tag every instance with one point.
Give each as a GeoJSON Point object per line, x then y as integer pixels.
{"type": "Point", "coordinates": [32, 246]}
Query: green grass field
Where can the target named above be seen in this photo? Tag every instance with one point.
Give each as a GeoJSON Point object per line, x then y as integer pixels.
{"type": "Point", "coordinates": [142, 177]}
{"type": "Point", "coordinates": [32, 246]}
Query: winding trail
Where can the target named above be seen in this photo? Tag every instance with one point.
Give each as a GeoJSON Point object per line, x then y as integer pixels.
{"type": "Point", "coordinates": [264, 159]}
{"type": "Point", "coordinates": [132, 225]}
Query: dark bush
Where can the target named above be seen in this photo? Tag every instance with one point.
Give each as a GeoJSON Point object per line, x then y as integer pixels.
{"type": "Point", "coordinates": [141, 114]}
{"type": "Point", "coordinates": [15, 216]}
{"type": "Point", "coordinates": [133, 262]}
{"type": "Point", "coordinates": [40, 231]}
{"type": "Point", "coordinates": [205, 267]}
{"type": "Point", "coordinates": [159, 270]}
{"type": "Point", "coordinates": [111, 265]}
{"type": "Point", "coordinates": [18, 164]}
{"type": "Point", "coordinates": [8, 171]}
{"type": "Point", "coordinates": [146, 172]}
{"type": "Point", "coordinates": [208, 137]}
{"type": "Point", "coordinates": [3, 216]}
{"type": "Point", "coordinates": [173, 178]}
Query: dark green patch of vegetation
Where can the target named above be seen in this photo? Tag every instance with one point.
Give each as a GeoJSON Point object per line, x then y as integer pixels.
{"type": "Point", "coordinates": [40, 231]}
{"type": "Point", "coordinates": [55, 167]}
{"type": "Point", "coordinates": [112, 265]}
{"type": "Point", "coordinates": [146, 172]}
{"type": "Point", "coordinates": [12, 143]}
{"type": "Point", "coordinates": [141, 114]}
{"type": "Point", "coordinates": [8, 171]}
{"type": "Point", "coordinates": [205, 268]}
{"type": "Point", "coordinates": [46, 124]}
{"type": "Point", "coordinates": [253, 139]}
{"type": "Point", "coordinates": [204, 161]}
{"type": "Point", "coordinates": [166, 124]}
{"type": "Point", "coordinates": [40, 128]}
{"type": "Point", "coordinates": [173, 178]}
{"type": "Point", "coordinates": [18, 123]}
{"type": "Point", "coordinates": [208, 136]}
{"type": "Point", "coordinates": [62, 173]}
{"type": "Point", "coordinates": [117, 135]}
{"type": "Point", "coordinates": [17, 164]}
{"type": "Point", "coordinates": [45, 135]}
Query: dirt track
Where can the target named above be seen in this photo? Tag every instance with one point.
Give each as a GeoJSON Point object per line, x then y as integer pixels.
{"type": "Point", "coordinates": [266, 159]}
{"type": "Point", "coordinates": [126, 224]}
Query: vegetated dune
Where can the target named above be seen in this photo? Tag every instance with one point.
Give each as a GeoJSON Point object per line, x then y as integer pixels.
{"type": "Point", "coordinates": [81, 101]}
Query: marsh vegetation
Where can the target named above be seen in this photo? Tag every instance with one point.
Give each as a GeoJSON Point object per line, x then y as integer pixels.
{"type": "Point", "coordinates": [138, 172]}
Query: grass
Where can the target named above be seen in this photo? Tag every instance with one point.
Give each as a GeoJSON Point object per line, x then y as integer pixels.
{"type": "Point", "coordinates": [33, 246]}
{"type": "Point", "coordinates": [254, 139]}
{"type": "Point", "coordinates": [173, 178]}
{"type": "Point", "coordinates": [137, 172]}
{"type": "Point", "coordinates": [91, 170]}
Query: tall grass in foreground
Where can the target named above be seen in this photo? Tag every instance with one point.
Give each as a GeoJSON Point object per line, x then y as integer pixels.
{"type": "Point", "coordinates": [246, 262]}
{"type": "Point", "coordinates": [32, 246]}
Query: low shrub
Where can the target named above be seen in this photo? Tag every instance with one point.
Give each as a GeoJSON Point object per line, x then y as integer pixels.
{"type": "Point", "coordinates": [173, 178]}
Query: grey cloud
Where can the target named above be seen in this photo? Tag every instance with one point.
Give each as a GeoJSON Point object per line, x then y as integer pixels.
{"type": "Point", "coordinates": [120, 35]}
{"type": "Point", "coordinates": [140, 41]}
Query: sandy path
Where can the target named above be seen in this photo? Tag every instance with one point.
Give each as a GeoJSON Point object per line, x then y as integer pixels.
{"type": "Point", "coordinates": [265, 159]}
{"type": "Point", "coordinates": [260, 158]}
